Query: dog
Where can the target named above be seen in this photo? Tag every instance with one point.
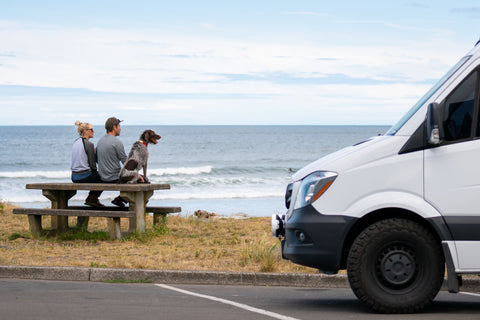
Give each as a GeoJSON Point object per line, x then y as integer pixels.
{"type": "Point", "coordinates": [138, 159]}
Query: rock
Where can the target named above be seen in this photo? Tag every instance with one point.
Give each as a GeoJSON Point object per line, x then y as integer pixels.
{"type": "Point", "coordinates": [239, 215]}
{"type": "Point", "coordinates": [203, 214]}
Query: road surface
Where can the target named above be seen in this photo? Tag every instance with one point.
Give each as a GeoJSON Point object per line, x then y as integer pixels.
{"type": "Point", "coordinates": [32, 299]}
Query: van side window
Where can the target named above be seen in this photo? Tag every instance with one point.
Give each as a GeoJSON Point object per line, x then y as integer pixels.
{"type": "Point", "coordinates": [459, 108]}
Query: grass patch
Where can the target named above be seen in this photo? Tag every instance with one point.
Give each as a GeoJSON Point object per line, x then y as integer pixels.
{"type": "Point", "coordinates": [15, 236]}
{"type": "Point", "coordinates": [151, 234]}
{"type": "Point", "coordinates": [82, 234]}
{"type": "Point", "coordinates": [128, 281]}
{"type": "Point", "coordinates": [96, 265]}
{"type": "Point", "coordinates": [178, 243]}
{"type": "Point", "coordinates": [263, 254]}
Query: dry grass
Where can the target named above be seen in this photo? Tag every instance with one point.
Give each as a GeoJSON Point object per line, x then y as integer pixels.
{"type": "Point", "coordinates": [183, 243]}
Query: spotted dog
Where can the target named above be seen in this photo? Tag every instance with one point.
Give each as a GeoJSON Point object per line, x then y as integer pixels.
{"type": "Point", "coordinates": [138, 159]}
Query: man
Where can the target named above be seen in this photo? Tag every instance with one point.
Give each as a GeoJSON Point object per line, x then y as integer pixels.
{"type": "Point", "coordinates": [110, 153]}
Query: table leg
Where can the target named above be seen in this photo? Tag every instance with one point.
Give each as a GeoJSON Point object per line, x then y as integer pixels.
{"type": "Point", "coordinates": [35, 223]}
{"type": "Point", "coordinates": [132, 221]}
{"type": "Point", "coordinates": [59, 199]}
{"type": "Point", "coordinates": [138, 200]}
{"type": "Point", "coordinates": [114, 229]}
{"type": "Point", "coordinates": [82, 222]}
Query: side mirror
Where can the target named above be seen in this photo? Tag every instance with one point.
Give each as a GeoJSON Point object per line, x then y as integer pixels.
{"type": "Point", "coordinates": [434, 124]}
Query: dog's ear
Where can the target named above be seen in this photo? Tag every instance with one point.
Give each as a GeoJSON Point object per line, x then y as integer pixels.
{"type": "Point", "coordinates": [146, 136]}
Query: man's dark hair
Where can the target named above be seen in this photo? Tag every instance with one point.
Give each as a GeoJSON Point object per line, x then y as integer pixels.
{"type": "Point", "coordinates": [111, 122]}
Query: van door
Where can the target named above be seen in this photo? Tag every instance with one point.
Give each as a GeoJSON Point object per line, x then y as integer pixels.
{"type": "Point", "coordinates": [452, 172]}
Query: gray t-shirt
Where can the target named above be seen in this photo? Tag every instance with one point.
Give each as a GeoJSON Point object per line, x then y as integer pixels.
{"type": "Point", "coordinates": [110, 152]}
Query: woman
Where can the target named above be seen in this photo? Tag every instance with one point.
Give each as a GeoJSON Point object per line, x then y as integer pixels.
{"type": "Point", "coordinates": [84, 168]}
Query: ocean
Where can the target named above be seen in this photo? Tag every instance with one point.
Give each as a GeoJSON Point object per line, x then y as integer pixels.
{"type": "Point", "coordinates": [221, 169]}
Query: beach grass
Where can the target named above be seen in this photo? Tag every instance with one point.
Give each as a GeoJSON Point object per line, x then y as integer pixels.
{"type": "Point", "coordinates": [181, 243]}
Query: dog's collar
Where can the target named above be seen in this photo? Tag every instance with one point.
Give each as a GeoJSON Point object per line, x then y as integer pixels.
{"type": "Point", "coordinates": [143, 143]}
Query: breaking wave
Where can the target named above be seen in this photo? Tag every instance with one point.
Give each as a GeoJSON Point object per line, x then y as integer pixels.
{"type": "Point", "coordinates": [66, 174]}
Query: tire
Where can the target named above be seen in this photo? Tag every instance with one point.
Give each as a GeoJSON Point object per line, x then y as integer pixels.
{"type": "Point", "coordinates": [396, 266]}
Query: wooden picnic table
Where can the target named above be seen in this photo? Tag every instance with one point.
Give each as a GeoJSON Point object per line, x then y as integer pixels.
{"type": "Point", "coordinates": [59, 194]}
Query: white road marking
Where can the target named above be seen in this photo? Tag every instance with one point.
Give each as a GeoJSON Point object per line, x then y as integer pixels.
{"type": "Point", "coordinates": [471, 294]}
{"type": "Point", "coordinates": [232, 303]}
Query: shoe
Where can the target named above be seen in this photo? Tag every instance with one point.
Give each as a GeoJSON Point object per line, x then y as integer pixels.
{"type": "Point", "coordinates": [118, 201]}
{"type": "Point", "coordinates": [94, 203]}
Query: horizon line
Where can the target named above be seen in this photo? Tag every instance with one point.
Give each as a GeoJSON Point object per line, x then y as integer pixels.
{"type": "Point", "coordinates": [209, 125]}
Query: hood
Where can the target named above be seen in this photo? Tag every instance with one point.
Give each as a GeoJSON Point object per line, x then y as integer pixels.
{"type": "Point", "coordinates": [363, 153]}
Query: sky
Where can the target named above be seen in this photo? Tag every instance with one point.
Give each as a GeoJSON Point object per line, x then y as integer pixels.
{"type": "Point", "coordinates": [158, 62]}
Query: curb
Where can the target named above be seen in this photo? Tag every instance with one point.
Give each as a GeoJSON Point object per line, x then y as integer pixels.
{"type": "Point", "coordinates": [174, 276]}
{"type": "Point", "coordinates": [307, 280]}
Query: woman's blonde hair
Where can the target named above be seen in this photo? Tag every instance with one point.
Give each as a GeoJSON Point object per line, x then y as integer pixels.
{"type": "Point", "coordinates": [82, 126]}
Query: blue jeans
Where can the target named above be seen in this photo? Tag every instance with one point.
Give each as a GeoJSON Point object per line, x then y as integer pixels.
{"type": "Point", "coordinates": [89, 177]}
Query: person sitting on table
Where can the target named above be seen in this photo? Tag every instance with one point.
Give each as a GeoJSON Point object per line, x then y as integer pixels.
{"type": "Point", "coordinates": [110, 153]}
{"type": "Point", "coordinates": [84, 168]}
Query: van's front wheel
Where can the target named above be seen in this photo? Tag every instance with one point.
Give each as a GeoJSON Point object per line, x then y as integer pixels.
{"type": "Point", "coordinates": [396, 266]}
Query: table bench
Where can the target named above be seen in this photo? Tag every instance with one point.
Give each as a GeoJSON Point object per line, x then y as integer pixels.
{"type": "Point", "coordinates": [137, 196]}
{"type": "Point", "coordinates": [159, 213]}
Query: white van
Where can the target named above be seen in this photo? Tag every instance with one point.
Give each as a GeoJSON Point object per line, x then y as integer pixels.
{"type": "Point", "coordinates": [395, 209]}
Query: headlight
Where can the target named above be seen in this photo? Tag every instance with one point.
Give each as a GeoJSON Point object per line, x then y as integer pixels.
{"type": "Point", "coordinates": [313, 186]}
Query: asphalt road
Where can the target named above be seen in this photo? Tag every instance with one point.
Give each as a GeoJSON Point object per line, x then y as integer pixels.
{"type": "Point", "coordinates": [33, 299]}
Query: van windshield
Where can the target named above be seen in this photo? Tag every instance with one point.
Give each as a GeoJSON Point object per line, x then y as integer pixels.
{"type": "Point", "coordinates": [393, 130]}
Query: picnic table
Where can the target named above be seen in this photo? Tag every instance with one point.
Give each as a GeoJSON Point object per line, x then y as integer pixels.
{"type": "Point", "coordinates": [137, 196]}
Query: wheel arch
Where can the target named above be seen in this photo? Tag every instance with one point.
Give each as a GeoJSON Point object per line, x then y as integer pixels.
{"type": "Point", "coordinates": [436, 226]}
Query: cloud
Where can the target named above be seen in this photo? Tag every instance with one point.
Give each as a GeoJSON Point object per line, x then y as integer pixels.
{"type": "Point", "coordinates": [316, 78]}
{"type": "Point", "coordinates": [137, 61]}
{"type": "Point", "coordinates": [471, 11]}
{"type": "Point", "coordinates": [159, 106]}
{"type": "Point", "coordinates": [154, 72]}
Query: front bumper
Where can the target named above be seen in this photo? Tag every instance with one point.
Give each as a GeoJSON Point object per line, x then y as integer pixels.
{"type": "Point", "coordinates": [313, 239]}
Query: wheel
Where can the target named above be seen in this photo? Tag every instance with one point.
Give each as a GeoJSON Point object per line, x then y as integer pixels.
{"type": "Point", "coordinates": [396, 266]}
